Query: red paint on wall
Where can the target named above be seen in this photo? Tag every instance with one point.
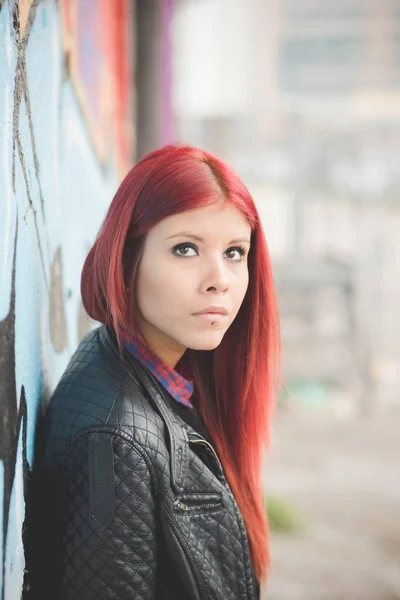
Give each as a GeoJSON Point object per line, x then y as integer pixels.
{"type": "Point", "coordinates": [97, 39]}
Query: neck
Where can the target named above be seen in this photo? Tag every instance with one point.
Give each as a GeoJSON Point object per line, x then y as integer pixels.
{"type": "Point", "coordinates": [166, 348]}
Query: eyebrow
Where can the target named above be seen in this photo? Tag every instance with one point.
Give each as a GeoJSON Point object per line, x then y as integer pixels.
{"type": "Point", "coordinates": [200, 239]}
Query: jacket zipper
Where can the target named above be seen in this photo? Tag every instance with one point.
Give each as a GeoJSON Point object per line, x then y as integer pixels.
{"type": "Point", "coordinates": [193, 439]}
{"type": "Point", "coordinates": [202, 589]}
{"type": "Point", "coordinates": [201, 440]}
{"type": "Point", "coordinates": [188, 508]}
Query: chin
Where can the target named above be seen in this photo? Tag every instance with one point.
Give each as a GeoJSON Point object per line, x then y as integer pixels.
{"type": "Point", "coordinates": [208, 342]}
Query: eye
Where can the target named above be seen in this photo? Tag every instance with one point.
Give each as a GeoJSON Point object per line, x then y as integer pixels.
{"type": "Point", "coordinates": [237, 253]}
{"type": "Point", "coordinates": [184, 248]}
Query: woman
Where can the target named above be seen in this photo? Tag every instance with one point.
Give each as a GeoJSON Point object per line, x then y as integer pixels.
{"type": "Point", "coordinates": [154, 435]}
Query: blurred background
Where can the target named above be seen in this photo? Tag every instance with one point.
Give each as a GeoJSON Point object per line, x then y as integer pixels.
{"type": "Point", "coordinates": [302, 98]}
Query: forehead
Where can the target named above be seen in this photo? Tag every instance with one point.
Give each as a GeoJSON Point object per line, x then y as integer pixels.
{"type": "Point", "coordinates": [216, 219]}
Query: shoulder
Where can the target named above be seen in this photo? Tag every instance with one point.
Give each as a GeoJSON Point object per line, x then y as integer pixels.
{"type": "Point", "coordinates": [99, 391]}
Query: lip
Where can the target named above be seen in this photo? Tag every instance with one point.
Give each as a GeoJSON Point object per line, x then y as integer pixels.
{"type": "Point", "coordinates": [211, 317]}
{"type": "Point", "coordinates": [213, 310]}
{"type": "Point", "coordinates": [212, 314]}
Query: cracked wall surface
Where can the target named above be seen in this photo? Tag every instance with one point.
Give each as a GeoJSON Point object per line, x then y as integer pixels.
{"type": "Point", "coordinates": [64, 145]}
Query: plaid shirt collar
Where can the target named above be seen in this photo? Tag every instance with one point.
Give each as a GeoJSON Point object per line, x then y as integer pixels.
{"type": "Point", "coordinates": [180, 388]}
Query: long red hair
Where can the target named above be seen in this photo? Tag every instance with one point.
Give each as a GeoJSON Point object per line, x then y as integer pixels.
{"type": "Point", "coordinates": [235, 384]}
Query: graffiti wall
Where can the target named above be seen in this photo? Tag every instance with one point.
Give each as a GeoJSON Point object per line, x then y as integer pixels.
{"type": "Point", "coordinates": [65, 141]}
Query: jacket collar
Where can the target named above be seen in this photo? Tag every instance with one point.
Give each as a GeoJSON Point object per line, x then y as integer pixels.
{"type": "Point", "coordinates": [179, 387]}
{"type": "Point", "coordinates": [152, 390]}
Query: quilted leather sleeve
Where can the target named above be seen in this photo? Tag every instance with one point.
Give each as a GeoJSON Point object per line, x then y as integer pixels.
{"type": "Point", "coordinates": [108, 521]}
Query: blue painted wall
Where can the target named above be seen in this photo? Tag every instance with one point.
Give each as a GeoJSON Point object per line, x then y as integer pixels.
{"type": "Point", "coordinates": [53, 195]}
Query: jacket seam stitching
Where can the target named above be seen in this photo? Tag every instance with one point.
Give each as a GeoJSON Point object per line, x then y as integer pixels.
{"type": "Point", "coordinates": [134, 445]}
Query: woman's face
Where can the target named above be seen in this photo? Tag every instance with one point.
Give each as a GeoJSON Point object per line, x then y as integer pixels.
{"type": "Point", "coordinates": [192, 261]}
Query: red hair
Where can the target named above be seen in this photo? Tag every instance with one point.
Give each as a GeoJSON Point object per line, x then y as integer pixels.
{"type": "Point", "coordinates": [235, 384]}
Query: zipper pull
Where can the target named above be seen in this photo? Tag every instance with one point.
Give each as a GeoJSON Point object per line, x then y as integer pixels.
{"type": "Point", "coordinates": [181, 505]}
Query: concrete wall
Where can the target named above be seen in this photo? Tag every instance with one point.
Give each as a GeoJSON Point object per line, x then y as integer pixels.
{"type": "Point", "coordinates": [64, 145]}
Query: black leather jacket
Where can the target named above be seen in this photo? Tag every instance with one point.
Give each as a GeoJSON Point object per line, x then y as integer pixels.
{"type": "Point", "coordinates": [134, 502]}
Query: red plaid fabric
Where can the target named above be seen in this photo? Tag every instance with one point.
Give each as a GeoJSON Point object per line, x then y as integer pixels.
{"type": "Point", "coordinates": [180, 388]}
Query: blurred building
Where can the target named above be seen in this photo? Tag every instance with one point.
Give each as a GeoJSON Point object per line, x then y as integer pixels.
{"type": "Point", "coordinates": [342, 55]}
{"type": "Point", "coordinates": [238, 60]}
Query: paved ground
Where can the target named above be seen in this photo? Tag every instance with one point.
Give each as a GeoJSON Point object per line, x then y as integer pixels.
{"type": "Point", "coordinates": [343, 476]}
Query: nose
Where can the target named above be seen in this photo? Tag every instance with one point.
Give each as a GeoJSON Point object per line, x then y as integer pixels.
{"type": "Point", "coordinates": [216, 278]}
